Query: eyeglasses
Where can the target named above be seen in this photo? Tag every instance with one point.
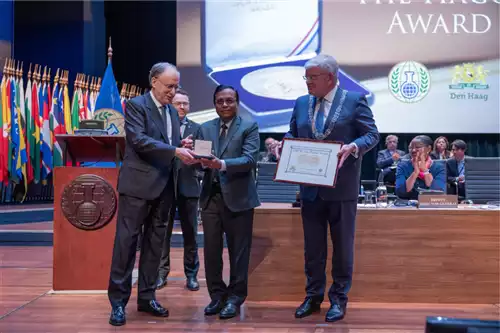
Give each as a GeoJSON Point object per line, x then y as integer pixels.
{"type": "Point", "coordinates": [228, 101]}
{"type": "Point", "coordinates": [313, 77]}
{"type": "Point", "coordinates": [169, 86]}
{"type": "Point", "coordinates": [181, 103]}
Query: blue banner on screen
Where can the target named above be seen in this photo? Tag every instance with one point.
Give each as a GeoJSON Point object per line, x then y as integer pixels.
{"type": "Point", "coordinates": [6, 30]}
{"type": "Point", "coordinates": [420, 72]}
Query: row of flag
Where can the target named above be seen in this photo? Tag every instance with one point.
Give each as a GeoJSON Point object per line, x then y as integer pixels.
{"type": "Point", "coordinates": [33, 113]}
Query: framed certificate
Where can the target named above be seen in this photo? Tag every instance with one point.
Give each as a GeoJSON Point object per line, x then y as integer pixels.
{"type": "Point", "coordinates": [308, 162]}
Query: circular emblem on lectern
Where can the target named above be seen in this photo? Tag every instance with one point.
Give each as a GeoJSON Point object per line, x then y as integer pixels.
{"type": "Point", "coordinates": [88, 202]}
{"type": "Point", "coordinates": [114, 121]}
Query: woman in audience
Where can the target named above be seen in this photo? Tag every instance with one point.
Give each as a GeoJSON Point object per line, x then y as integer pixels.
{"type": "Point", "coordinates": [441, 151]}
{"type": "Point", "coordinates": [420, 172]}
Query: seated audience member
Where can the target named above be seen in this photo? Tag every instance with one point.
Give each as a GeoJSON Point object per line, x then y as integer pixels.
{"type": "Point", "coordinates": [440, 151]}
{"type": "Point", "coordinates": [387, 159]}
{"type": "Point", "coordinates": [420, 171]}
{"type": "Point", "coordinates": [455, 168]}
{"type": "Point", "coordinates": [271, 151]}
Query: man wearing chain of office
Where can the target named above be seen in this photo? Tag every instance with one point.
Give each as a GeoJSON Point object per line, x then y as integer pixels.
{"type": "Point", "coordinates": [331, 113]}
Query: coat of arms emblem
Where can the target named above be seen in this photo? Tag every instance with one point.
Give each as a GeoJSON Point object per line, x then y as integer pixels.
{"type": "Point", "coordinates": [89, 202]}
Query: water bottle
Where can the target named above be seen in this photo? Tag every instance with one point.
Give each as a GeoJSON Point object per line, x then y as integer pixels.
{"type": "Point", "coordinates": [381, 195]}
{"type": "Point", "coordinates": [362, 190]}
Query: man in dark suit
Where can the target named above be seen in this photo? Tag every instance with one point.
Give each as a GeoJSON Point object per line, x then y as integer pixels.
{"type": "Point", "coordinates": [228, 198]}
{"type": "Point", "coordinates": [186, 201]}
{"type": "Point", "coordinates": [388, 158]}
{"type": "Point", "coordinates": [146, 188]}
{"type": "Point", "coordinates": [455, 168]}
{"type": "Point", "coordinates": [331, 113]}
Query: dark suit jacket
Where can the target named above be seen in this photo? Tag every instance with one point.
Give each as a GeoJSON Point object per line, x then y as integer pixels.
{"type": "Point", "coordinates": [240, 153]}
{"type": "Point", "coordinates": [384, 159]}
{"type": "Point", "coordinates": [354, 124]}
{"type": "Point", "coordinates": [452, 173]}
{"type": "Point", "coordinates": [149, 156]}
{"type": "Point", "coordinates": [405, 169]}
{"type": "Point", "coordinates": [187, 181]}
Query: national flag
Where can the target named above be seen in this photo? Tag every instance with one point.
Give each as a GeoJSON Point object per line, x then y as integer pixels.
{"type": "Point", "coordinates": [20, 156]}
{"type": "Point", "coordinates": [58, 122]}
{"type": "Point", "coordinates": [109, 97]}
{"type": "Point", "coordinates": [36, 93]}
{"type": "Point", "coordinates": [3, 169]}
{"type": "Point", "coordinates": [75, 109]}
{"type": "Point", "coordinates": [30, 139]}
{"type": "Point", "coordinates": [20, 101]}
{"type": "Point", "coordinates": [66, 107]}
{"type": "Point", "coordinates": [46, 135]}
{"type": "Point", "coordinates": [10, 109]}
{"type": "Point", "coordinates": [6, 119]}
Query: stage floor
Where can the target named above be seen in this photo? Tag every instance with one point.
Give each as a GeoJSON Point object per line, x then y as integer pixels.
{"type": "Point", "coordinates": [26, 305]}
{"type": "Point", "coordinates": [410, 264]}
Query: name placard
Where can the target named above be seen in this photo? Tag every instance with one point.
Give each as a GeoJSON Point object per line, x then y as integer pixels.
{"type": "Point", "coordinates": [437, 201]}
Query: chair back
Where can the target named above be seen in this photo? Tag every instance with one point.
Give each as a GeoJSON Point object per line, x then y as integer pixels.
{"type": "Point", "coordinates": [482, 179]}
{"type": "Point", "coordinates": [271, 191]}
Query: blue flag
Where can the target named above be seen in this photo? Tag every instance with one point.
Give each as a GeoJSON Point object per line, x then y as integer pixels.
{"type": "Point", "coordinates": [109, 97]}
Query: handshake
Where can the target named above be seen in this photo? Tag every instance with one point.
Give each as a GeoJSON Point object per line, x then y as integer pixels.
{"type": "Point", "coordinates": [186, 154]}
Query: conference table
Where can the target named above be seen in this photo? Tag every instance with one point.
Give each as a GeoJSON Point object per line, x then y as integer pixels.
{"type": "Point", "coordinates": [402, 254]}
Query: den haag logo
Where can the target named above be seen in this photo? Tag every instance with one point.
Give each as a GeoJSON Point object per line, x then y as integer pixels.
{"type": "Point", "coordinates": [409, 81]}
{"type": "Point", "coordinates": [469, 82]}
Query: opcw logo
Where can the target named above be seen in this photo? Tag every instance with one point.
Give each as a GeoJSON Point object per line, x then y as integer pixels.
{"type": "Point", "coordinates": [469, 77]}
{"type": "Point", "coordinates": [409, 81]}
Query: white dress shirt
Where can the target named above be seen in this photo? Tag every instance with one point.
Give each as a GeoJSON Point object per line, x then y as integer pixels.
{"type": "Point", "coordinates": [328, 105]}
{"type": "Point", "coordinates": [169, 119]}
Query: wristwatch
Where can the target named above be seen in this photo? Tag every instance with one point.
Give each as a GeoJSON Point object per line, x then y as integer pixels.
{"type": "Point", "coordinates": [425, 172]}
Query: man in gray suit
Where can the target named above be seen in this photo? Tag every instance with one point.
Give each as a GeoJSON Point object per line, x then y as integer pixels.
{"type": "Point", "coordinates": [187, 194]}
{"type": "Point", "coordinates": [387, 160]}
{"type": "Point", "coordinates": [228, 198]}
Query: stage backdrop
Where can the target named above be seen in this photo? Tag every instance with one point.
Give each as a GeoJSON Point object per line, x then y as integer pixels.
{"type": "Point", "coordinates": [425, 67]}
{"type": "Point", "coordinates": [6, 30]}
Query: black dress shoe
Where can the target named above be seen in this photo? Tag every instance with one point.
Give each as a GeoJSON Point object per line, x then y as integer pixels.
{"type": "Point", "coordinates": [192, 284]}
{"type": "Point", "coordinates": [307, 308]}
{"type": "Point", "coordinates": [214, 307]}
{"type": "Point", "coordinates": [335, 313]}
{"type": "Point", "coordinates": [230, 310]}
{"type": "Point", "coordinates": [161, 282]}
{"type": "Point", "coordinates": [152, 307]}
{"type": "Point", "coordinates": [117, 317]}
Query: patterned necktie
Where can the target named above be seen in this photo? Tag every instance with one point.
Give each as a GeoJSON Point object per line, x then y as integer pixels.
{"type": "Point", "coordinates": [320, 117]}
{"type": "Point", "coordinates": [222, 136]}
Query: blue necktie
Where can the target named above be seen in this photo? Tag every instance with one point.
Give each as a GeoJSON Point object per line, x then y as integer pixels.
{"type": "Point", "coordinates": [320, 117]}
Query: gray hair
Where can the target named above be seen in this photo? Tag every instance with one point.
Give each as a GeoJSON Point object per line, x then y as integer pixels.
{"type": "Point", "coordinates": [325, 62]}
{"type": "Point", "coordinates": [159, 68]}
{"type": "Point", "coordinates": [391, 136]}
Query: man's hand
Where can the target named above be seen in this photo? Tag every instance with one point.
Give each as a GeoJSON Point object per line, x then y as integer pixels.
{"type": "Point", "coordinates": [344, 153]}
{"type": "Point", "coordinates": [185, 155]}
{"type": "Point", "coordinates": [461, 179]}
{"type": "Point", "coordinates": [395, 156]}
{"type": "Point", "coordinates": [187, 142]}
{"type": "Point", "coordinates": [214, 163]}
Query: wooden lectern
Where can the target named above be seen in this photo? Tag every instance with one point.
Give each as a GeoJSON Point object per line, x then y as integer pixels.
{"type": "Point", "coordinates": [85, 209]}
